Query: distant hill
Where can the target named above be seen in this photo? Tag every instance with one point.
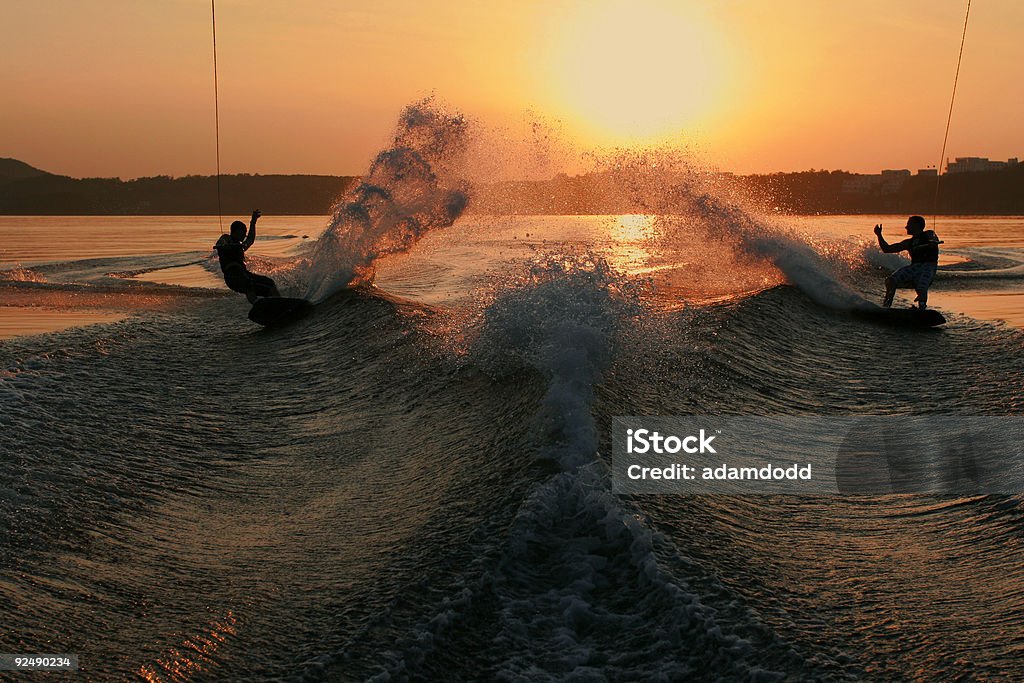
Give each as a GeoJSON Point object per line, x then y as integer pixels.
{"type": "Point", "coordinates": [28, 191]}
{"type": "Point", "coordinates": [12, 169]}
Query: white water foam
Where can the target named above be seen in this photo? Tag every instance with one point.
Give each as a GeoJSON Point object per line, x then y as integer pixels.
{"type": "Point", "coordinates": [578, 582]}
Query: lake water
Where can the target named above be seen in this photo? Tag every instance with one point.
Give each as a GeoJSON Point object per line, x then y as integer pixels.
{"type": "Point", "coordinates": [980, 271]}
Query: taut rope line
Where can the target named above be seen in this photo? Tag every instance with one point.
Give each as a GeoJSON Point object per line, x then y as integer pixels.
{"type": "Point", "coordinates": [949, 117]}
{"type": "Point", "coordinates": [216, 112]}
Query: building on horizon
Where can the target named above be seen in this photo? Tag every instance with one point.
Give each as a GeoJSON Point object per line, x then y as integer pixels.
{"type": "Point", "coordinates": [893, 179]}
{"type": "Point", "coordinates": [889, 181]}
{"type": "Point", "coordinates": [976, 164]}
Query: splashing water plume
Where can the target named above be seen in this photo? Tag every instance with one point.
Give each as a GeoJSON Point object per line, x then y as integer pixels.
{"type": "Point", "coordinates": [409, 190]}
{"type": "Point", "coordinates": [721, 244]}
{"type": "Point", "coordinates": [695, 205]}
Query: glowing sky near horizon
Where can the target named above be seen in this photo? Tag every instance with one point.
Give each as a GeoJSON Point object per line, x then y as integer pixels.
{"type": "Point", "coordinates": [125, 88]}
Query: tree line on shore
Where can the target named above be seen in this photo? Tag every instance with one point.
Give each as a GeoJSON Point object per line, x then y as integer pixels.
{"type": "Point", "coordinates": [46, 194]}
{"type": "Point", "coordinates": [25, 190]}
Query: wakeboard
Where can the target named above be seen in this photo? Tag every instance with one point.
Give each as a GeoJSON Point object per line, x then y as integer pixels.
{"type": "Point", "coordinates": [275, 311]}
{"type": "Point", "coordinates": [907, 317]}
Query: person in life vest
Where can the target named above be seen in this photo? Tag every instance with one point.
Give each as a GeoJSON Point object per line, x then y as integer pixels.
{"type": "Point", "coordinates": [231, 249]}
{"type": "Point", "coordinates": [923, 246]}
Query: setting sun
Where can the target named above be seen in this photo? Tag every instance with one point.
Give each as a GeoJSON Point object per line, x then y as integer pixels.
{"type": "Point", "coordinates": [628, 71]}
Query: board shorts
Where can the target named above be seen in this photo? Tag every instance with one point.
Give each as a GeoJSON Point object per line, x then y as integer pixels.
{"type": "Point", "coordinates": [916, 275]}
{"type": "Point", "coordinates": [244, 282]}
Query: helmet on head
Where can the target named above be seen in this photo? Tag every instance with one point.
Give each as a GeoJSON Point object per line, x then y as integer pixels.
{"type": "Point", "coordinates": [916, 222]}
{"type": "Point", "coordinates": [238, 230]}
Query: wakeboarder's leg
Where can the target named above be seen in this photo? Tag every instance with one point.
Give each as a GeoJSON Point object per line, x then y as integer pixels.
{"type": "Point", "coordinates": [890, 291]}
{"type": "Point", "coordinates": [264, 286]}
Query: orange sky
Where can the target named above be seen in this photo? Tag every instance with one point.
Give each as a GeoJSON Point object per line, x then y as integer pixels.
{"type": "Point", "coordinates": [125, 87]}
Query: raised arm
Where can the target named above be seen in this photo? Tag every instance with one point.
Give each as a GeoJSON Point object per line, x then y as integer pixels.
{"type": "Point", "coordinates": [889, 248]}
{"type": "Point", "coordinates": [251, 235]}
